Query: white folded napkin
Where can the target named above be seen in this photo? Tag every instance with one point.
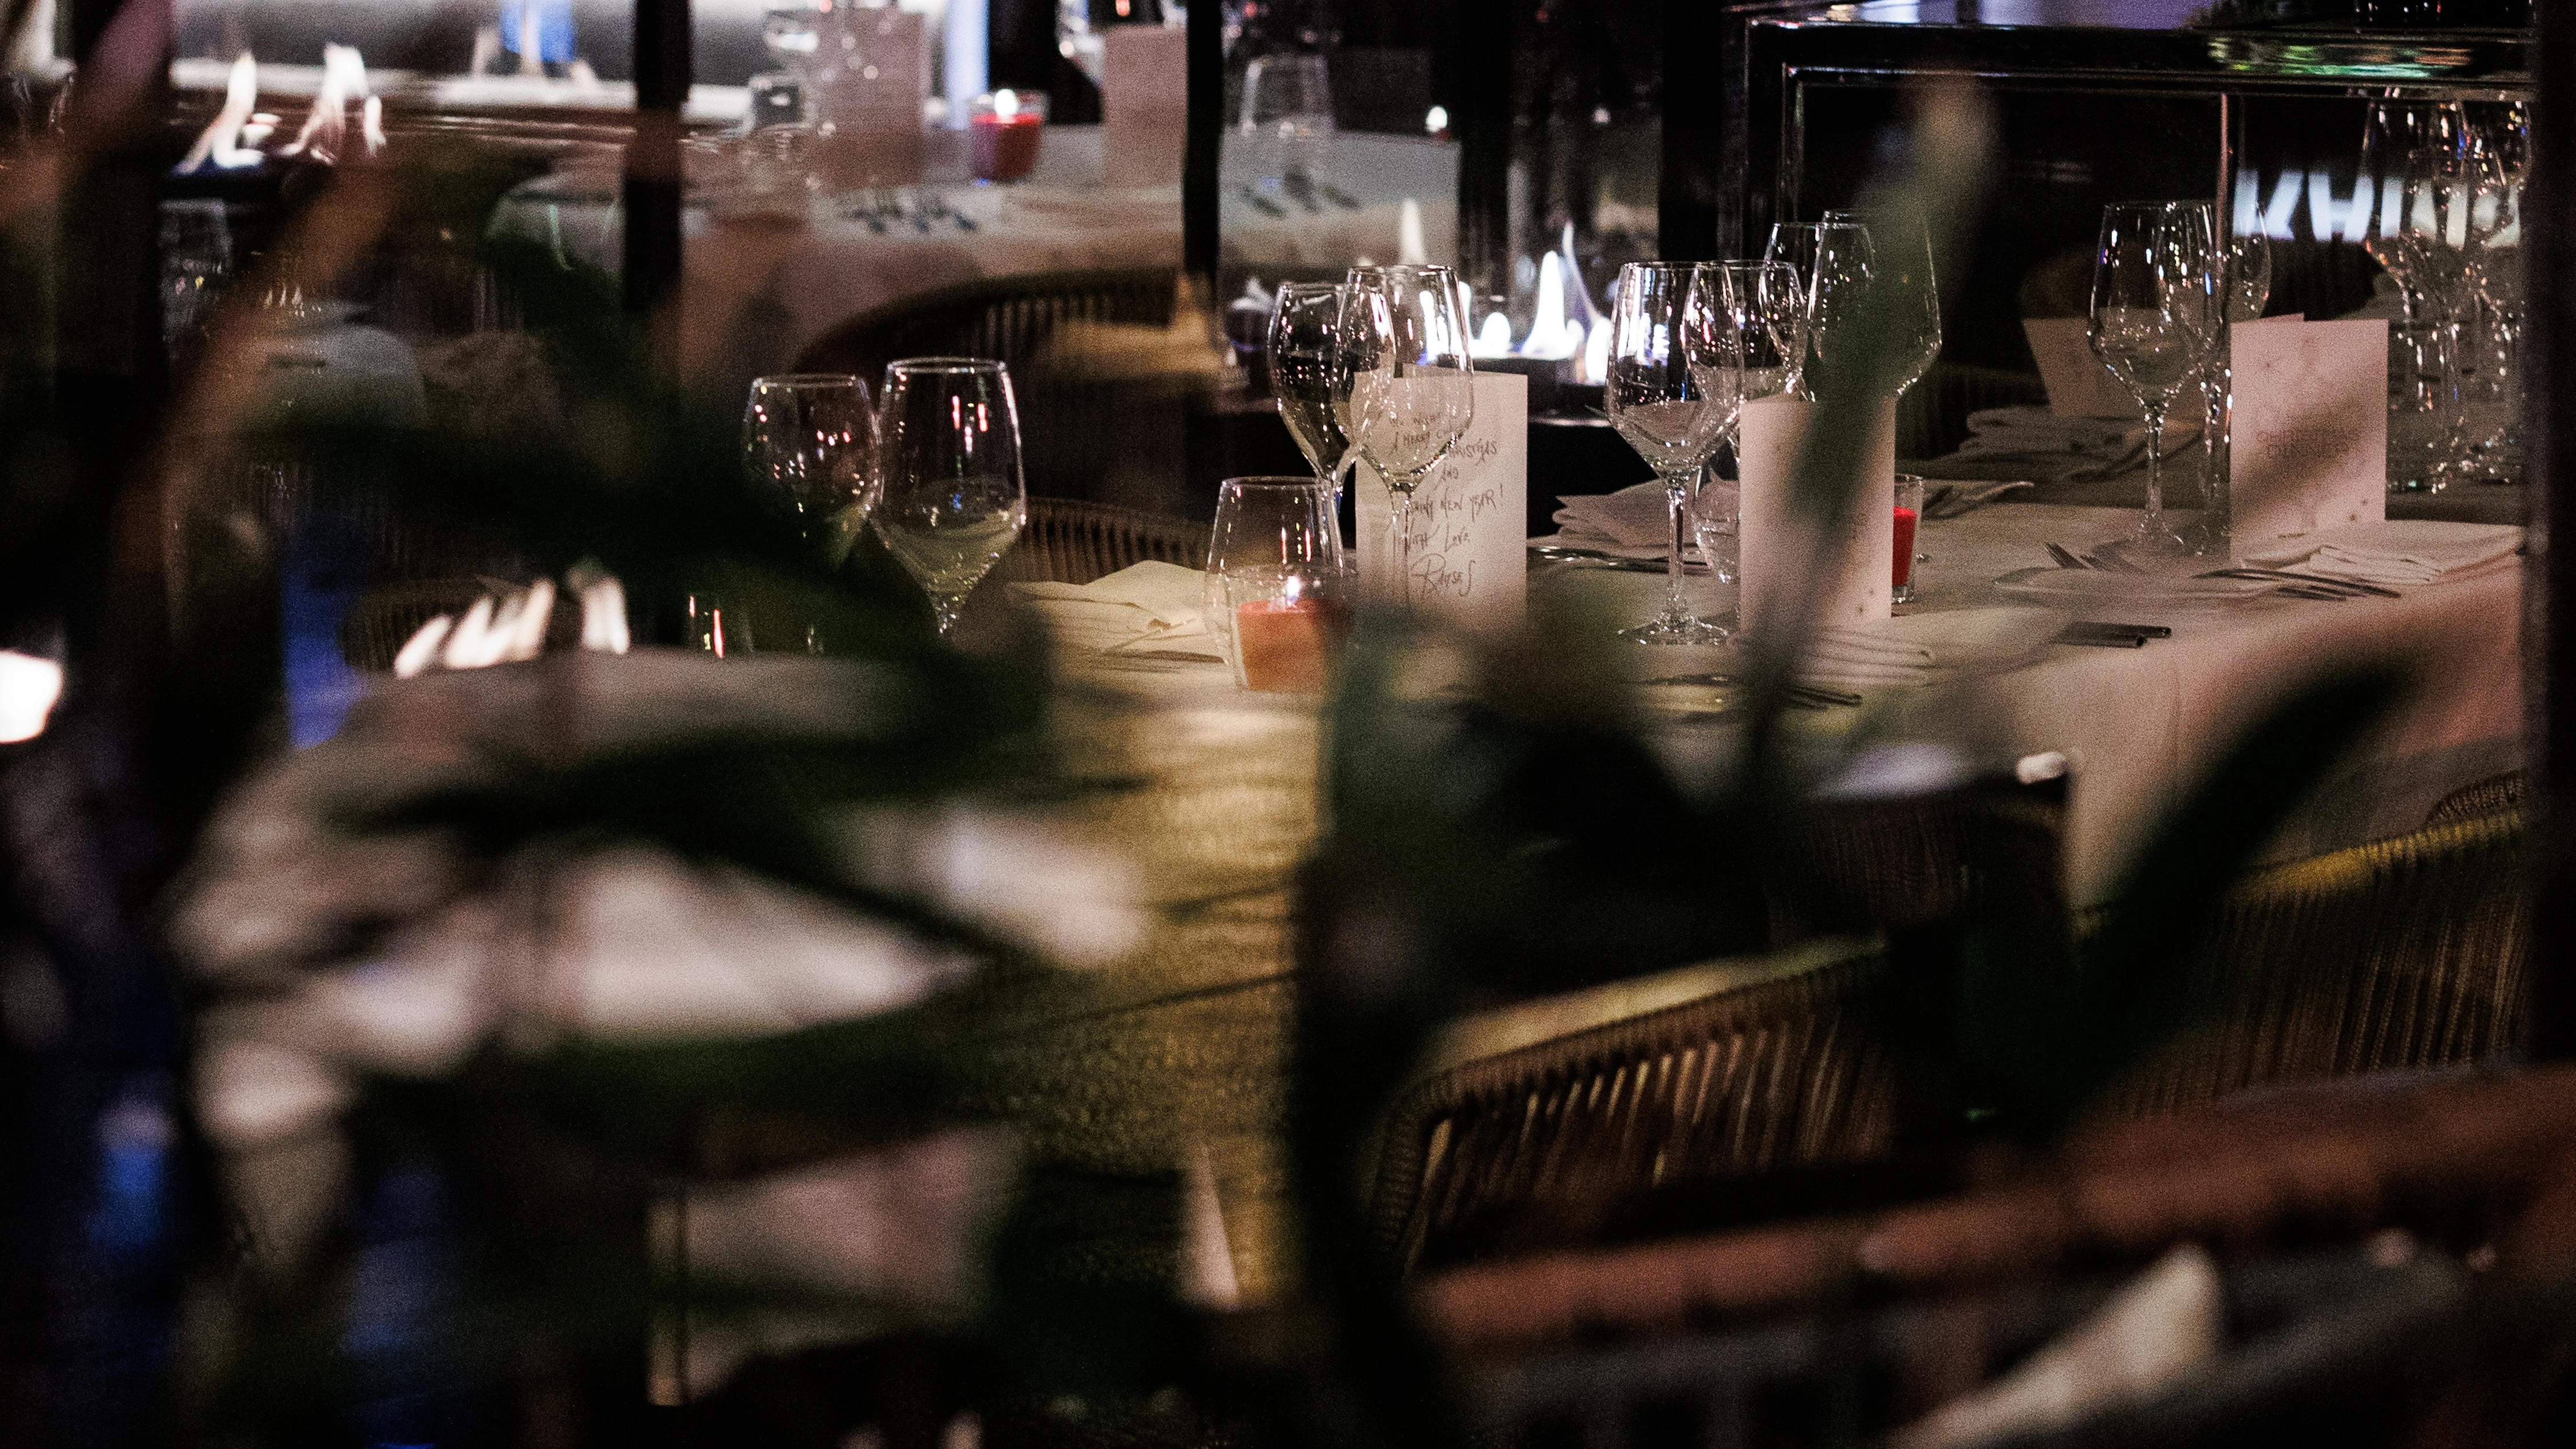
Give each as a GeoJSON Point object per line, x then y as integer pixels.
{"type": "Point", "coordinates": [1865, 660]}
{"type": "Point", "coordinates": [2080, 588]}
{"type": "Point", "coordinates": [1149, 607]}
{"type": "Point", "coordinates": [2065, 447]}
{"type": "Point", "coordinates": [2396, 551]}
{"type": "Point", "coordinates": [1635, 522]}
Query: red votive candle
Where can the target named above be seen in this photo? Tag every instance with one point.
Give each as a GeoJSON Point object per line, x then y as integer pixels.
{"type": "Point", "coordinates": [1006, 129]}
{"type": "Point", "coordinates": [1287, 645]}
{"type": "Point", "coordinates": [1906, 518]}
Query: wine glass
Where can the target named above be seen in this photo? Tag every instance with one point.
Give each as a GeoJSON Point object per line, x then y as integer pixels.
{"type": "Point", "coordinates": [1793, 243]}
{"type": "Point", "coordinates": [1288, 115]}
{"type": "Point", "coordinates": [1901, 259]}
{"type": "Point", "coordinates": [950, 497]}
{"type": "Point", "coordinates": [2155, 323]}
{"type": "Point", "coordinates": [809, 440]}
{"type": "Point", "coordinates": [1307, 375]}
{"type": "Point", "coordinates": [1674, 370]}
{"type": "Point", "coordinates": [1766, 314]}
{"type": "Point", "coordinates": [1412, 391]}
{"type": "Point", "coordinates": [2392, 135]}
{"type": "Point", "coordinates": [2245, 284]}
{"type": "Point", "coordinates": [1837, 284]}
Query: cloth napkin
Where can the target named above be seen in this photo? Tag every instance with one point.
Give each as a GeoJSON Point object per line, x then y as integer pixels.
{"type": "Point", "coordinates": [2034, 442]}
{"type": "Point", "coordinates": [1864, 661]}
{"type": "Point", "coordinates": [2395, 552]}
{"type": "Point", "coordinates": [1145, 608]}
{"type": "Point", "coordinates": [1635, 522]}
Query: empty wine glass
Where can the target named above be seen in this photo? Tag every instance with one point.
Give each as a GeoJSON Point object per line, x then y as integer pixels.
{"type": "Point", "coordinates": [1766, 316]}
{"type": "Point", "coordinates": [1412, 392]}
{"type": "Point", "coordinates": [1307, 375]}
{"type": "Point", "coordinates": [1837, 283]}
{"type": "Point", "coordinates": [809, 441]}
{"type": "Point", "coordinates": [1288, 116]}
{"type": "Point", "coordinates": [2245, 285]}
{"type": "Point", "coordinates": [2391, 134]}
{"type": "Point", "coordinates": [1674, 370]}
{"type": "Point", "coordinates": [951, 497]}
{"type": "Point", "coordinates": [2155, 323]}
{"type": "Point", "coordinates": [1901, 260]}
{"type": "Point", "coordinates": [1793, 243]}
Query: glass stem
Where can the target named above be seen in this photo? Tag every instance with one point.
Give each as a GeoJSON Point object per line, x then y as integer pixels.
{"type": "Point", "coordinates": [945, 608]}
{"type": "Point", "coordinates": [2155, 519]}
{"type": "Point", "coordinates": [2215, 449]}
{"type": "Point", "coordinates": [1402, 522]}
{"type": "Point", "coordinates": [1677, 497]}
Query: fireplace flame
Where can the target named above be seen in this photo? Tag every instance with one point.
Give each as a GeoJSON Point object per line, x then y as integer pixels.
{"type": "Point", "coordinates": [220, 143]}
{"type": "Point", "coordinates": [1564, 325]}
{"type": "Point", "coordinates": [231, 141]}
{"type": "Point", "coordinates": [344, 79]}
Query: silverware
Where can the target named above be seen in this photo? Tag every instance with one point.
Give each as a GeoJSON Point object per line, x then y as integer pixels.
{"type": "Point", "coordinates": [2111, 562]}
{"type": "Point", "coordinates": [2066, 558]}
{"type": "Point", "coordinates": [1261, 203]}
{"type": "Point", "coordinates": [1561, 553]}
{"type": "Point", "coordinates": [1338, 197]}
{"type": "Point", "coordinates": [1805, 696]}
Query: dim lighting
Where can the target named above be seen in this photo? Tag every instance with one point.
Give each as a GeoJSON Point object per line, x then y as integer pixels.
{"type": "Point", "coordinates": [29, 686]}
{"type": "Point", "coordinates": [1436, 120]}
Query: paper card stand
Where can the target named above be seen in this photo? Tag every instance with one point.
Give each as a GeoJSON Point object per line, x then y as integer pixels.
{"type": "Point", "coordinates": [1470, 518]}
{"type": "Point", "coordinates": [2307, 427]}
{"type": "Point", "coordinates": [2079, 386]}
{"type": "Point", "coordinates": [1854, 584]}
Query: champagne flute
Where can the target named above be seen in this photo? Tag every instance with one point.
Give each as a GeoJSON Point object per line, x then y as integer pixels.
{"type": "Point", "coordinates": [1307, 375]}
{"type": "Point", "coordinates": [809, 441]}
{"type": "Point", "coordinates": [951, 498]}
{"type": "Point", "coordinates": [1412, 391]}
{"type": "Point", "coordinates": [1674, 370]}
{"type": "Point", "coordinates": [2155, 323]}
{"type": "Point", "coordinates": [1901, 258]}
{"type": "Point", "coordinates": [1766, 313]}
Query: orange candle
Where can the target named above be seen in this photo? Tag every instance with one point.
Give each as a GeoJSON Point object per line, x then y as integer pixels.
{"type": "Point", "coordinates": [1287, 645]}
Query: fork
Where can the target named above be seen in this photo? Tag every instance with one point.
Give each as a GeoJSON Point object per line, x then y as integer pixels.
{"type": "Point", "coordinates": [2066, 558]}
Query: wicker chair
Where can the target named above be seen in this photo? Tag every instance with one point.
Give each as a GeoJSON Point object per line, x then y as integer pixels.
{"type": "Point", "coordinates": [1069, 542]}
{"type": "Point", "coordinates": [2398, 954]}
{"type": "Point", "coordinates": [1008, 318]}
{"type": "Point", "coordinates": [1577, 1101]}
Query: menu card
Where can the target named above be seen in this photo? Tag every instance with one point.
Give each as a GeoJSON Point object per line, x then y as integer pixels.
{"type": "Point", "coordinates": [1144, 104]}
{"type": "Point", "coordinates": [1853, 585]}
{"type": "Point", "coordinates": [2079, 386]}
{"type": "Point", "coordinates": [1470, 519]}
{"type": "Point", "coordinates": [2307, 427]}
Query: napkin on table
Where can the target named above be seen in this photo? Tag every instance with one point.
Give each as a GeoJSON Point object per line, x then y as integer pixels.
{"type": "Point", "coordinates": [1864, 660]}
{"type": "Point", "coordinates": [2044, 445]}
{"type": "Point", "coordinates": [1150, 607]}
{"type": "Point", "coordinates": [2394, 552]}
{"type": "Point", "coordinates": [1636, 521]}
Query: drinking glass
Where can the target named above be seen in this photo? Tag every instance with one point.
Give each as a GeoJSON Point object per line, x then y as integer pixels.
{"type": "Point", "coordinates": [2500, 143]}
{"type": "Point", "coordinates": [196, 260]}
{"type": "Point", "coordinates": [1766, 315]}
{"type": "Point", "coordinates": [1909, 518]}
{"type": "Point", "coordinates": [1674, 369]}
{"type": "Point", "coordinates": [1412, 392]}
{"type": "Point", "coordinates": [809, 440]}
{"type": "Point", "coordinates": [1901, 258]}
{"type": "Point", "coordinates": [1837, 285]}
{"type": "Point", "coordinates": [1288, 114]}
{"type": "Point", "coordinates": [2392, 133]}
{"type": "Point", "coordinates": [1793, 243]}
{"type": "Point", "coordinates": [951, 498]}
{"type": "Point", "coordinates": [2245, 284]}
{"type": "Point", "coordinates": [1278, 584]}
{"type": "Point", "coordinates": [2155, 323]}
{"type": "Point", "coordinates": [1307, 375]}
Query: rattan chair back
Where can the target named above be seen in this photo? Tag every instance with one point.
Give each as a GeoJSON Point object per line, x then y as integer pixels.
{"type": "Point", "coordinates": [1071, 542]}
{"type": "Point", "coordinates": [1734, 1068]}
{"type": "Point", "coordinates": [1007, 318]}
{"type": "Point", "coordinates": [2399, 954]}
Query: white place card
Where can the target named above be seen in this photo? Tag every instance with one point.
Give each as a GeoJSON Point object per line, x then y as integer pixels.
{"type": "Point", "coordinates": [2079, 386]}
{"type": "Point", "coordinates": [1470, 518]}
{"type": "Point", "coordinates": [2307, 427]}
{"type": "Point", "coordinates": [1144, 104]}
{"type": "Point", "coordinates": [1857, 577]}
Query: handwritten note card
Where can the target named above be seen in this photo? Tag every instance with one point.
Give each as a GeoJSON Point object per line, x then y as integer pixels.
{"type": "Point", "coordinates": [2307, 427]}
{"type": "Point", "coordinates": [1470, 515]}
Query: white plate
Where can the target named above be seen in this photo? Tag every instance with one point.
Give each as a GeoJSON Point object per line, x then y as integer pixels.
{"type": "Point", "coordinates": [2077, 588]}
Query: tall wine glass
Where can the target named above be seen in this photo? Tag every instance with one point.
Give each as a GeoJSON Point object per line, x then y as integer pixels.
{"type": "Point", "coordinates": [1672, 394]}
{"type": "Point", "coordinates": [1837, 284]}
{"type": "Point", "coordinates": [1901, 260]}
{"type": "Point", "coordinates": [809, 441]}
{"type": "Point", "coordinates": [2245, 284]}
{"type": "Point", "coordinates": [1307, 375]}
{"type": "Point", "coordinates": [2155, 324]}
{"type": "Point", "coordinates": [1412, 393]}
{"type": "Point", "coordinates": [952, 499]}
{"type": "Point", "coordinates": [1766, 319]}
{"type": "Point", "coordinates": [1793, 243]}
{"type": "Point", "coordinates": [2392, 134]}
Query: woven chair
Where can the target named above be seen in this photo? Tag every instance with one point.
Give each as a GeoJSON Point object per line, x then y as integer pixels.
{"type": "Point", "coordinates": [2491, 796]}
{"type": "Point", "coordinates": [1007, 318]}
{"type": "Point", "coordinates": [1070, 542]}
{"type": "Point", "coordinates": [2399, 954]}
{"type": "Point", "coordinates": [1581, 1100]}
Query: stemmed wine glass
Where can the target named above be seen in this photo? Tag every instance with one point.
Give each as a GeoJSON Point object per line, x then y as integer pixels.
{"type": "Point", "coordinates": [2155, 323]}
{"type": "Point", "coordinates": [1412, 391]}
{"type": "Point", "coordinates": [1307, 375]}
{"type": "Point", "coordinates": [1901, 259]}
{"type": "Point", "coordinates": [2245, 284]}
{"type": "Point", "coordinates": [1766, 315]}
{"type": "Point", "coordinates": [1837, 284]}
{"type": "Point", "coordinates": [952, 499]}
{"type": "Point", "coordinates": [809, 441]}
{"type": "Point", "coordinates": [1674, 371]}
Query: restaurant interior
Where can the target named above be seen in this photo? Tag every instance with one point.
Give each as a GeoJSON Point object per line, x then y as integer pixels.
{"type": "Point", "coordinates": [1287, 723]}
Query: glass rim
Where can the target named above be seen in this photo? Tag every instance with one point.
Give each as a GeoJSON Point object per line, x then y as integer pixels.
{"type": "Point", "coordinates": [948, 366]}
{"type": "Point", "coordinates": [1303, 285]}
{"type": "Point", "coordinates": [2165, 204]}
{"type": "Point", "coordinates": [1273, 480]}
{"type": "Point", "coordinates": [1380, 269]}
{"type": "Point", "coordinates": [809, 379]}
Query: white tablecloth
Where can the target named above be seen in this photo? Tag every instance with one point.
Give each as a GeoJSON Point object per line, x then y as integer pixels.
{"type": "Point", "coordinates": [757, 289]}
{"type": "Point", "coordinates": [2139, 727]}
